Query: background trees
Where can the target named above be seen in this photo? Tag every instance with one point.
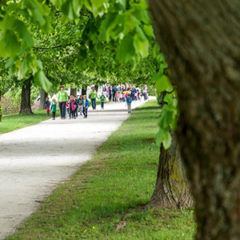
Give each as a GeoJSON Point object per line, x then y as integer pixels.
{"type": "Point", "coordinates": [104, 41]}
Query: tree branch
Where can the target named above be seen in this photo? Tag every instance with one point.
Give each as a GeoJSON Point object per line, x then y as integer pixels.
{"type": "Point", "coordinates": [58, 46]}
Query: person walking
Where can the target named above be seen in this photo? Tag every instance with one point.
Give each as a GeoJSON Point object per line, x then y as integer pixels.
{"type": "Point", "coordinates": [54, 109]}
{"type": "Point", "coordinates": [76, 104]}
{"type": "Point", "coordinates": [110, 93]}
{"type": "Point", "coordinates": [72, 107]}
{"type": "Point", "coordinates": [85, 106]}
{"type": "Point", "coordinates": [133, 92]}
{"type": "Point", "coordinates": [102, 100]}
{"type": "Point", "coordinates": [145, 93]}
{"type": "Point", "coordinates": [129, 103]}
{"type": "Point", "coordinates": [47, 104]}
{"type": "Point", "coordinates": [93, 97]}
{"type": "Point", "coordinates": [114, 93]}
{"type": "Point", "coordinates": [62, 98]}
{"type": "Point", "coordinates": [80, 104]}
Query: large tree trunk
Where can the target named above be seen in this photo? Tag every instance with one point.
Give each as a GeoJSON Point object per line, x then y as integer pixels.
{"type": "Point", "coordinates": [43, 97]}
{"type": "Point", "coordinates": [200, 40]}
{"type": "Point", "coordinates": [172, 189]}
{"type": "Point", "coordinates": [26, 97]}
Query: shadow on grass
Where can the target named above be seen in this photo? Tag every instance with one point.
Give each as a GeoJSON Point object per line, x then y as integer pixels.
{"type": "Point", "coordinates": [147, 108]}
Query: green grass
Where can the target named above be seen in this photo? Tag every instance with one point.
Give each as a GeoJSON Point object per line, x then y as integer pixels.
{"type": "Point", "coordinates": [117, 181]}
{"type": "Point", "coordinates": [16, 121]}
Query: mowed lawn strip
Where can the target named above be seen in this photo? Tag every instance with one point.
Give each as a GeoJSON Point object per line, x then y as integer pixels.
{"type": "Point", "coordinates": [16, 121]}
{"type": "Point", "coordinates": [117, 181]}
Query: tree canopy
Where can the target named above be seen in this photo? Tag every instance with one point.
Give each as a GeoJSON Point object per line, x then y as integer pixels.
{"type": "Point", "coordinates": [84, 42]}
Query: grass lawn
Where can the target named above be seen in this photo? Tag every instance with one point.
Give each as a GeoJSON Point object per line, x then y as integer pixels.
{"type": "Point", "coordinates": [16, 121]}
{"type": "Point", "coordinates": [117, 181]}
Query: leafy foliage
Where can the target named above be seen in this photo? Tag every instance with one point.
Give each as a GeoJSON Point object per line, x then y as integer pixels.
{"type": "Point", "coordinates": [82, 42]}
{"type": "Point", "coordinates": [167, 120]}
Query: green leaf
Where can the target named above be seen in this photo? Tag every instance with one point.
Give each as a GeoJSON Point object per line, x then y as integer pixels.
{"type": "Point", "coordinates": [72, 8]}
{"type": "Point", "coordinates": [141, 43]}
{"type": "Point", "coordinates": [98, 7]}
{"type": "Point", "coordinates": [130, 23]}
{"type": "Point", "coordinates": [167, 140]}
{"type": "Point", "coordinates": [125, 51]}
{"type": "Point", "coordinates": [9, 44]}
{"type": "Point", "coordinates": [21, 29]}
{"type": "Point", "coordinates": [167, 117]}
{"type": "Point", "coordinates": [156, 51]}
{"type": "Point", "coordinates": [105, 26]}
{"type": "Point", "coordinates": [112, 26]}
{"type": "Point", "coordinates": [143, 4]}
{"type": "Point", "coordinates": [77, 5]}
{"type": "Point", "coordinates": [68, 9]}
{"type": "Point", "coordinates": [42, 81]}
{"type": "Point", "coordinates": [25, 67]}
{"type": "Point", "coordinates": [9, 63]}
{"type": "Point", "coordinates": [39, 64]}
{"type": "Point", "coordinates": [38, 12]}
{"type": "Point", "coordinates": [122, 3]}
{"type": "Point", "coordinates": [159, 137]}
{"type": "Point", "coordinates": [58, 3]}
{"type": "Point", "coordinates": [164, 137]}
{"type": "Point", "coordinates": [141, 14]}
{"type": "Point", "coordinates": [162, 83]}
{"type": "Point", "coordinates": [148, 30]}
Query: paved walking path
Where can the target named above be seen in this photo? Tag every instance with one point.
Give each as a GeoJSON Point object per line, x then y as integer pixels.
{"type": "Point", "coordinates": [33, 160]}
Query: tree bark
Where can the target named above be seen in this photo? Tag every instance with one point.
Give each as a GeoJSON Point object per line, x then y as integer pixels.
{"type": "Point", "coordinates": [43, 96]}
{"type": "Point", "coordinates": [84, 90]}
{"type": "Point", "coordinates": [26, 97]}
{"type": "Point", "coordinates": [73, 91]}
{"type": "Point", "coordinates": [200, 40]}
{"type": "Point", "coordinates": [171, 189]}
{"type": "Point", "coordinates": [96, 87]}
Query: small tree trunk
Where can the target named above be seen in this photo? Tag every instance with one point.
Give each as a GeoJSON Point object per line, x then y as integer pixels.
{"type": "Point", "coordinates": [43, 96]}
{"type": "Point", "coordinates": [26, 97]}
{"type": "Point", "coordinates": [200, 41]}
{"type": "Point", "coordinates": [171, 188]}
{"type": "Point", "coordinates": [96, 87]}
{"type": "Point", "coordinates": [73, 91]}
{"type": "Point", "coordinates": [84, 90]}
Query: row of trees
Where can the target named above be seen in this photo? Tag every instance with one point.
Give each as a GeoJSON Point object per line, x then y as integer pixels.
{"type": "Point", "coordinates": [76, 53]}
{"type": "Point", "coordinates": [53, 41]}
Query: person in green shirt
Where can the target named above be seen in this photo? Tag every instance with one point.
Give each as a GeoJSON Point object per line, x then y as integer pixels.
{"type": "Point", "coordinates": [93, 97]}
{"type": "Point", "coordinates": [54, 109]}
{"type": "Point", "coordinates": [62, 98]}
{"type": "Point", "coordinates": [102, 100]}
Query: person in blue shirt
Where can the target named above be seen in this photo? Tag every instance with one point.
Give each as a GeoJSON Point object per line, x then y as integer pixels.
{"type": "Point", "coordinates": [85, 106]}
{"type": "Point", "coordinates": [129, 103]}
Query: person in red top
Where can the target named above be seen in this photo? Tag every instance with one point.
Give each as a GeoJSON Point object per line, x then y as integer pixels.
{"type": "Point", "coordinates": [72, 107]}
{"type": "Point", "coordinates": [47, 104]}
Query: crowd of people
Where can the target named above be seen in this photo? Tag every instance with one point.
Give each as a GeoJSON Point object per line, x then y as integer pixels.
{"type": "Point", "coordinates": [75, 106]}
{"type": "Point", "coordinates": [121, 92]}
